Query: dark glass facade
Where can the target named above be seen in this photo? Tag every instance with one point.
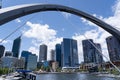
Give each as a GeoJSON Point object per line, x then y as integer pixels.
{"type": "Point", "coordinates": [32, 62]}
{"type": "Point", "coordinates": [58, 54]}
{"type": "Point", "coordinates": [25, 54]}
{"type": "Point", "coordinates": [52, 55]}
{"type": "Point", "coordinates": [98, 55]}
{"type": "Point", "coordinates": [43, 53]}
{"type": "Point", "coordinates": [2, 49]}
{"type": "Point", "coordinates": [91, 53]}
{"type": "Point", "coordinates": [75, 53]}
{"type": "Point", "coordinates": [88, 51]}
{"type": "Point", "coordinates": [113, 45]}
{"type": "Point", "coordinates": [69, 53]}
{"type": "Point", "coordinates": [16, 47]}
{"type": "Point", "coordinates": [8, 53]}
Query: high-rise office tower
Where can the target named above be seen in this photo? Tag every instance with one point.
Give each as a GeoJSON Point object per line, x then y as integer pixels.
{"type": "Point", "coordinates": [98, 53]}
{"type": "Point", "coordinates": [70, 53]}
{"type": "Point", "coordinates": [92, 52]}
{"type": "Point", "coordinates": [88, 51]}
{"type": "Point", "coordinates": [75, 53]}
{"type": "Point", "coordinates": [32, 62]}
{"type": "Point", "coordinates": [58, 54]}
{"type": "Point", "coordinates": [2, 49]}
{"type": "Point", "coordinates": [16, 47]}
{"type": "Point", "coordinates": [25, 55]}
{"type": "Point", "coordinates": [43, 53]}
{"type": "Point", "coordinates": [113, 45]}
{"type": "Point", "coordinates": [52, 54]}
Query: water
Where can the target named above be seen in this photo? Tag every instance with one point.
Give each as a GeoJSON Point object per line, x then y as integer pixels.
{"type": "Point", "coordinates": [75, 76]}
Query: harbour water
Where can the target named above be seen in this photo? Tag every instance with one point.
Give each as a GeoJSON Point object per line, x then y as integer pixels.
{"type": "Point", "coordinates": [74, 76]}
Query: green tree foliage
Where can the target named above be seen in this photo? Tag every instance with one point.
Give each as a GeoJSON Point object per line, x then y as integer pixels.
{"type": "Point", "coordinates": [58, 69]}
{"type": "Point", "coordinates": [47, 69]}
{"type": "Point", "coordinates": [3, 71]}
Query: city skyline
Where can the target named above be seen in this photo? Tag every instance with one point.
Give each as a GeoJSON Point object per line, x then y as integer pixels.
{"type": "Point", "coordinates": [91, 51]}
{"type": "Point", "coordinates": [53, 32]}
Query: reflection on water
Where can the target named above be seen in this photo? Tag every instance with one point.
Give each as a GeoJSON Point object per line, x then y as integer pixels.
{"type": "Point", "coordinates": [77, 76]}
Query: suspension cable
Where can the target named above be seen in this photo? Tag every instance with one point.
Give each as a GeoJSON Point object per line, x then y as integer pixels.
{"type": "Point", "coordinates": [103, 55]}
{"type": "Point", "coordinates": [17, 29]}
{"type": "Point", "coordinates": [92, 44]}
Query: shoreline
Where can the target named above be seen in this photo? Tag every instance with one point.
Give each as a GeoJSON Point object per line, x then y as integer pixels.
{"type": "Point", "coordinates": [59, 72]}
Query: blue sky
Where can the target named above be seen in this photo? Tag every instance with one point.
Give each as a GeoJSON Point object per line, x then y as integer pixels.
{"type": "Point", "coordinates": [51, 27]}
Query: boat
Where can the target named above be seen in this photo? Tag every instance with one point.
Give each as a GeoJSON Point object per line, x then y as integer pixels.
{"type": "Point", "coordinates": [11, 76]}
{"type": "Point", "coordinates": [32, 76]}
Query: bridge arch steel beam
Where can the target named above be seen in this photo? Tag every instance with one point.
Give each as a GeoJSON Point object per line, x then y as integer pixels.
{"type": "Point", "coordinates": [11, 13]}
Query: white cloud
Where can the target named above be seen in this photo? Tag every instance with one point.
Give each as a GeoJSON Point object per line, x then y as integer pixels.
{"type": "Point", "coordinates": [116, 7]}
{"type": "Point", "coordinates": [97, 38]}
{"type": "Point", "coordinates": [40, 32]}
{"type": "Point", "coordinates": [100, 35]}
{"type": "Point", "coordinates": [87, 22]}
{"type": "Point", "coordinates": [50, 44]}
{"type": "Point", "coordinates": [34, 50]}
{"type": "Point", "coordinates": [66, 15]}
{"type": "Point", "coordinates": [18, 20]}
{"type": "Point", "coordinates": [112, 20]}
{"type": "Point", "coordinates": [4, 41]}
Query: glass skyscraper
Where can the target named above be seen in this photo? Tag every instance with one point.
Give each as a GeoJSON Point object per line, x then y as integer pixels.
{"type": "Point", "coordinates": [98, 54]}
{"type": "Point", "coordinates": [91, 53]}
{"type": "Point", "coordinates": [58, 54]}
{"type": "Point", "coordinates": [25, 55]}
{"type": "Point", "coordinates": [32, 62]}
{"type": "Point", "coordinates": [43, 53]}
{"type": "Point", "coordinates": [52, 55]}
{"type": "Point", "coordinates": [16, 47]}
{"type": "Point", "coordinates": [88, 51]}
{"type": "Point", "coordinates": [113, 45]}
{"type": "Point", "coordinates": [2, 49]}
{"type": "Point", "coordinates": [69, 53]}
